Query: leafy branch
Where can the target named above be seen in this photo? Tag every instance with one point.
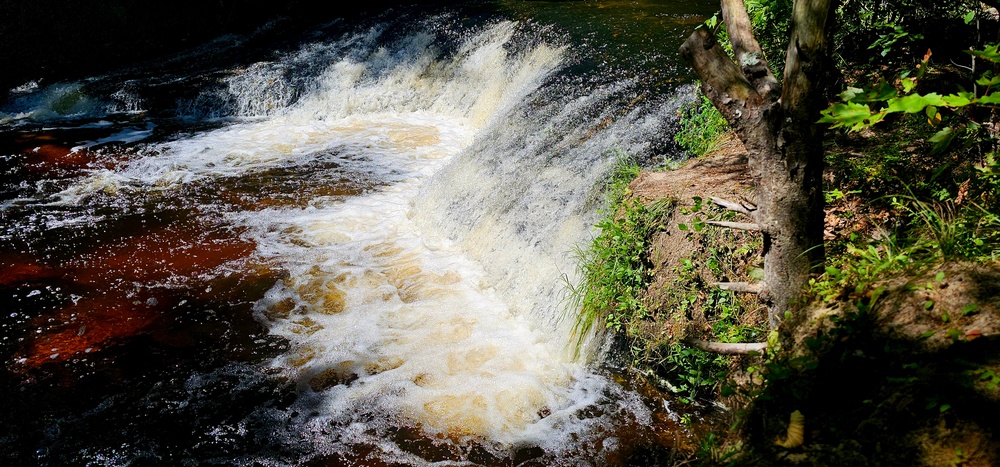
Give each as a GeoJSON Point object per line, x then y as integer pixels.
{"type": "Point", "coordinates": [862, 108]}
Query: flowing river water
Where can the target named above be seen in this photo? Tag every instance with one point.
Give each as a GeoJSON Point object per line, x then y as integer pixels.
{"type": "Point", "coordinates": [347, 245]}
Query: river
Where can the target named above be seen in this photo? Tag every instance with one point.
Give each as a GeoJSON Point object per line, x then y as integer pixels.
{"type": "Point", "coordinates": [346, 245]}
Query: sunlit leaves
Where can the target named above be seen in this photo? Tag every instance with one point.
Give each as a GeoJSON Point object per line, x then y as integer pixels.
{"type": "Point", "coordinates": [854, 116]}
{"type": "Point", "coordinates": [989, 53]}
{"type": "Point", "coordinates": [988, 79]}
{"type": "Point", "coordinates": [862, 108]}
{"type": "Point", "coordinates": [913, 103]}
{"type": "Point", "coordinates": [961, 99]}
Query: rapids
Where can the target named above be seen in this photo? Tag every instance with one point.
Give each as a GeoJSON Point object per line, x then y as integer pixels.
{"type": "Point", "coordinates": [352, 248]}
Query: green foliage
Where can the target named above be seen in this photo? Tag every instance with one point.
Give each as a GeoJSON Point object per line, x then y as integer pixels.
{"type": "Point", "coordinates": [951, 212]}
{"type": "Point", "coordinates": [770, 20]}
{"type": "Point", "coordinates": [724, 316]}
{"type": "Point", "coordinates": [712, 448]}
{"type": "Point", "coordinates": [954, 233]}
{"type": "Point", "coordinates": [702, 128]}
{"type": "Point", "coordinates": [983, 376]}
{"type": "Point", "coordinates": [898, 30]}
{"type": "Point", "coordinates": [693, 372]}
{"type": "Point", "coordinates": [614, 267]}
{"type": "Point", "coordinates": [890, 39]}
{"type": "Point", "coordinates": [852, 273]}
{"type": "Point", "coordinates": [937, 232]}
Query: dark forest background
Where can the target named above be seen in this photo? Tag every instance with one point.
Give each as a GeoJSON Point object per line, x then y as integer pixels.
{"type": "Point", "coordinates": [60, 39]}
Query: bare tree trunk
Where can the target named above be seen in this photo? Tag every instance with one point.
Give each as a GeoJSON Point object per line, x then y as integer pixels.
{"type": "Point", "coordinates": [777, 126]}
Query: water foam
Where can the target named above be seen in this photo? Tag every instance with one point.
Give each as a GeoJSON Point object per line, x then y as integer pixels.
{"type": "Point", "coordinates": [433, 302]}
{"type": "Point", "coordinates": [384, 316]}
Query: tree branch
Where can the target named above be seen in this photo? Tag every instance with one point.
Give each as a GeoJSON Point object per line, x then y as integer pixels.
{"type": "Point", "coordinates": [735, 225]}
{"type": "Point", "coordinates": [734, 206]}
{"type": "Point", "coordinates": [806, 51]}
{"type": "Point", "coordinates": [726, 348]}
{"type": "Point", "coordinates": [749, 55]}
{"type": "Point", "coordinates": [741, 287]}
{"type": "Point", "coordinates": [721, 80]}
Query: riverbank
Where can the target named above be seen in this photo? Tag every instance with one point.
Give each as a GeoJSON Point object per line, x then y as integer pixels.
{"type": "Point", "coordinates": [900, 370]}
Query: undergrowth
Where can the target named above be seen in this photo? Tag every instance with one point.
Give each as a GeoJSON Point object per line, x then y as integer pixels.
{"type": "Point", "coordinates": [614, 266]}
{"type": "Point", "coordinates": [702, 127]}
{"type": "Point", "coordinates": [691, 308]}
{"type": "Point", "coordinates": [614, 296]}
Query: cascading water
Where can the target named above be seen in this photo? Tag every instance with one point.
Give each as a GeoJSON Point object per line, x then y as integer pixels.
{"type": "Point", "coordinates": [390, 234]}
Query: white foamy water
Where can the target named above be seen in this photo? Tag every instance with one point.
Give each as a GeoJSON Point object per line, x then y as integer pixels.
{"type": "Point", "coordinates": [423, 302]}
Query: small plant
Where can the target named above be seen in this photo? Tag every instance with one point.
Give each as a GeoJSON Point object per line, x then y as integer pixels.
{"type": "Point", "coordinates": [712, 448]}
{"type": "Point", "coordinates": [890, 39]}
{"type": "Point", "coordinates": [613, 267]}
{"type": "Point", "coordinates": [702, 128]}
{"type": "Point", "coordinates": [722, 315]}
{"type": "Point", "coordinates": [770, 19]}
{"type": "Point", "coordinates": [863, 264]}
{"type": "Point", "coordinates": [947, 229]}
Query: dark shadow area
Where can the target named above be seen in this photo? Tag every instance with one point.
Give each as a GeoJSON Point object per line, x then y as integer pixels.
{"type": "Point", "coordinates": [51, 41]}
{"type": "Point", "coordinates": [870, 398]}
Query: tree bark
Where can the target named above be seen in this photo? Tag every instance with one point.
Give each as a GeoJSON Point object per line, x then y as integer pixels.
{"type": "Point", "coordinates": [777, 126]}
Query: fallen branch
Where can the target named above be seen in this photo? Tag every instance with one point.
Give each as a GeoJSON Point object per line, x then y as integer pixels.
{"type": "Point", "coordinates": [735, 207]}
{"type": "Point", "coordinates": [726, 348]}
{"type": "Point", "coordinates": [741, 287]}
{"type": "Point", "coordinates": [735, 225]}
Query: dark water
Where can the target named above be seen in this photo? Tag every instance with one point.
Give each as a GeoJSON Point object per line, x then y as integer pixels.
{"type": "Point", "coordinates": [335, 245]}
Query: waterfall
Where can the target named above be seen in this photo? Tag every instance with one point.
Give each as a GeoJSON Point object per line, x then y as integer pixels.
{"type": "Point", "coordinates": [445, 179]}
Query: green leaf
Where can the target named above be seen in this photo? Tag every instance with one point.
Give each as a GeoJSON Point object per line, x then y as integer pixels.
{"type": "Point", "coordinates": [913, 103]}
{"type": "Point", "coordinates": [988, 79]}
{"type": "Point", "coordinates": [711, 22]}
{"type": "Point", "coordinates": [989, 53]}
{"type": "Point", "coordinates": [942, 139]}
{"type": "Point", "coordinates": [880, 92]}
{"type": "Point", "coordinates": [683, 227]}
{"type": "Point", "coordinates": [855, 116]}
{"type": "Point", "coordinates": [969, 17]}
{"type": "Point", "coordinates": [991, 98]}
{"type": "Point", "coordinates": [851, 93]}
{"type": "Point", "coordinates": [970, 308]}
{"type": "Point", "coordinates": [961, 99]}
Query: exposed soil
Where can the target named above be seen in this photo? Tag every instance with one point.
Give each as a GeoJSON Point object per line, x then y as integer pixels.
{"type": "Point", "coordinates": [723, 174]}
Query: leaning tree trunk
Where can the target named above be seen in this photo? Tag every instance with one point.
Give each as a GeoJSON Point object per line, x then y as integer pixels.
{"type": "Point", "coordinates": [777, 125]}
